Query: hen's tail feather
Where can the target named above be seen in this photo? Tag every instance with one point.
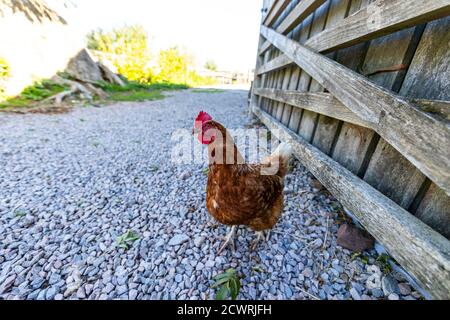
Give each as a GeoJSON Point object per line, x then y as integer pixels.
{"type": "Point", "coordinates": [280, 157]}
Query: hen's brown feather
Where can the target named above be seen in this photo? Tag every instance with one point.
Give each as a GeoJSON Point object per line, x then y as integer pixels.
{"type": "Point", "coordinates": [238, 194]}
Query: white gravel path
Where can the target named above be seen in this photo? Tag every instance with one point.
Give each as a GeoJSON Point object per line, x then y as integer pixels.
{"type": "Point", "coordinates": [70, 184]}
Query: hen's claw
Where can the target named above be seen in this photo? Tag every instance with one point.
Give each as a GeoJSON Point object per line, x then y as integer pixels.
{"type": "Point", "coordinates": [229, 240]}
{"type": "Point", "coordinates": [259, 236]}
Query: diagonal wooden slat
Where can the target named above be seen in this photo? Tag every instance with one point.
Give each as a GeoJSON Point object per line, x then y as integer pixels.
{"type": "Point", "coordinates": [275, 11]}
{"type": "Point", "coordinates": [403, 235]}
{"type": "Point", "coordinates": [387, 17]}
{"type": "Point", "coordinates": [420, 138]}
{"type": "Point", "coordinates": [303, 9]}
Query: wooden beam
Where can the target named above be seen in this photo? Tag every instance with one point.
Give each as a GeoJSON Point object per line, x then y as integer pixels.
{"type": "Point", "coordinates": [323, 103]}
{"type": "Point", "coordinates": [419, 137]}
{"type": "Point", "coordinates": [303, 9]}
{"type": "Point", "coordinates": [275, 11]}
{"type": "Point", "coordinates": [275, 64]}
{"type": "Point", "coordinates": [377, 19]}
{"type": "Point", "coordinates": [418, 248]}
{"type": "Point", "coordinates": [327, 104]}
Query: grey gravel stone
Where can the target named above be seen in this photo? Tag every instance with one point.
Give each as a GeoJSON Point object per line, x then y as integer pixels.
{"type": "Point", "coordinates": [88, 176]}
{"type": "Point", "coordinates": [178, 239]}
{"type": "Point", "coordinates": [390, 285]}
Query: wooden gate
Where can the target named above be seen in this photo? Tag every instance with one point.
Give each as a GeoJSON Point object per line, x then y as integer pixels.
{"type": "Point", "coordinates": [361, 90]}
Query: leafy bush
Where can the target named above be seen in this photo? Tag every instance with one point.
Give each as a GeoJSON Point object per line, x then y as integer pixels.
{"type": "Point", "coordinates": [4, 73]}
{"type": "Point", "coordinates": [4, 68]}
{"type": "Point", "coordinates": [129, 50]}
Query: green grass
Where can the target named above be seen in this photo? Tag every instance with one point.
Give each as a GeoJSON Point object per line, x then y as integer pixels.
{"type": "Point", "coordinates": [138, 96]}
{"type": "Point", "coordinates": [208, 90]}
{"type": "Point", "coordinates": [135, 91]}
{"type": "Point", "coordinates": [32, 94]}
{"type": "Point", "coordinates": [132, 91]}
{"type": "Point", "coordinates": [136, 86]}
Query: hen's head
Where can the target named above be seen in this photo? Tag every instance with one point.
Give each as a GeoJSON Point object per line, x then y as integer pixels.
{"type": "Point", "coordinates": [204, 128]}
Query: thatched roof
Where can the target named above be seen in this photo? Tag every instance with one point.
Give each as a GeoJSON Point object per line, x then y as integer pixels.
{"type": "Point", "coordinates": [34, 10]}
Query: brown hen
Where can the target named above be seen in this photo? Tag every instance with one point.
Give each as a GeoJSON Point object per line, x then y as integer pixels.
{"type": "Point", "coordinates": [239, 193]}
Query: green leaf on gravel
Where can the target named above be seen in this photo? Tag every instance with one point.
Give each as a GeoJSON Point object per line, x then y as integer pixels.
{"type": "Point", "coordinates": [126, 240]}
{"type": "Point", "coordinates": [154, 168]}
{"type": "Point", "coordinates": [229, 283]}
{"type": "Point", "coordinates": [19, 213]}
{"type": "Point", "coordinates": [223, 293]}
{"type": "Point", "coordinates": [205, 171]}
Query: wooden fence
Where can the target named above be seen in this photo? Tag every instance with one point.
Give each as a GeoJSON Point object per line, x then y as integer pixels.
{"type": "Point", "coordinates": [361, 90]}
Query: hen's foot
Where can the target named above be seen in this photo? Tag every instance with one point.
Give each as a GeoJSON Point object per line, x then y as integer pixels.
{"type": "Point", "coordinates": [229, 240]}
{"type": "Point", "coordinates": [259, 236]}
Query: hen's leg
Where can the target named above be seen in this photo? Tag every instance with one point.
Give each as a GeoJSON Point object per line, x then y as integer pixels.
{"type": "Point", "coordinates": [259, 236]}
{"type": "Point", "coordinates": [229, 240]}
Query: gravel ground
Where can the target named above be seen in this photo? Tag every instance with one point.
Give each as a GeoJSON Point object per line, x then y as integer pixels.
{"type": "Point", "coordinates": [71, 184]}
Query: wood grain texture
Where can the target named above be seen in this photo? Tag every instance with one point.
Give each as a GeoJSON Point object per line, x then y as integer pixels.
{"type": "Point", "coordinates": [327, 127]}
{"type": "Point", "coordinates": [390, 16]}
{"type": "Point", "coordinates": [303, 9]}
{"type": "Point", "coordinates": [423, 252]}
{"type": "Point", "coordinates": [428, 77]}
{"type": "Point", "coordinates": [306, 83]}
{"type": "Point", "coordinates": [275, 11]}
{"type": "Point", "coordinates": [434, 210]}
{"type": "Point", "coordinates": [422, 139]}
{"type": "Point", "coordinates": [388, 171]}
{"type": "Point", "coordinates": [323, 103]}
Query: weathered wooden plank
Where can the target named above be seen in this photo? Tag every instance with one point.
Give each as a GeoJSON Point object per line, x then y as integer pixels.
{"type": "Point", "coordinates": [388, 171]}
{"type": "Point", "coordinates": [422, 139]}
{"type": "Point", "coordinates": [377, 19]}
{"type": "Point", "coordinates": [328, 130]}
{"type": "Point", "coordinates": [278, 63]}
{"type": "Point", "coordinates": [393, 15]}
{"type": "Point", "coordinates": [438, 108]}
{"type": "Point", "coordinates": [428, 77]}
{"type": "Point", "coordinates": [352, 146]}
{"type": "Point", "coordinates": [327, 104]}
{"type": "Point", "coordinates": [323, 103]}
{"type": "Point", "coordinates": [383, 218]}
{"type": "Point", "coordinates": [306, 83]}
{"type": "Point", "coordinates": [434, 210]}
{"type": "Point", "coordinates": [275, 11]}
{"type": "Point", "coordinates": [296, 114]}
{"type": "Point", "coordinates": [326, 127]}
{"type": "Point", "coordinates": [303, 9]}
{"type": "Point", "coordinates": [393, 175]}
{"type": "Point", "coordinates": [429, 73]}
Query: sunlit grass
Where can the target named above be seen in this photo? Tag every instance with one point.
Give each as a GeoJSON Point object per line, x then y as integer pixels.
{"type": "Point", "coordinates": [208, 91]}
{"type": "Point", "coordinates": [137, 96]}
{"type": "Point", "coordinates": [32, 94]}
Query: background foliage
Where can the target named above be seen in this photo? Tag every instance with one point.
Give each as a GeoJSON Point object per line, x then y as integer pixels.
{"type": "Point", "coordinates": [130, 53]}
{"type": "Point", "coordinates": [4, 74]}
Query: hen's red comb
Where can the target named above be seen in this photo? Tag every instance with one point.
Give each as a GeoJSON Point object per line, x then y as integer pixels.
{"type": "Point", "coordinates": [203, 117]}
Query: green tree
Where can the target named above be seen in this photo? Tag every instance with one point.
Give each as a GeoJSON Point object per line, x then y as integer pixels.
{"type": "Point", "coordinates": [173, 66]}
{"type": "Point", "coordinates": [211, 65]}
{"type": "Point", "coordinates": [127, 48]}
